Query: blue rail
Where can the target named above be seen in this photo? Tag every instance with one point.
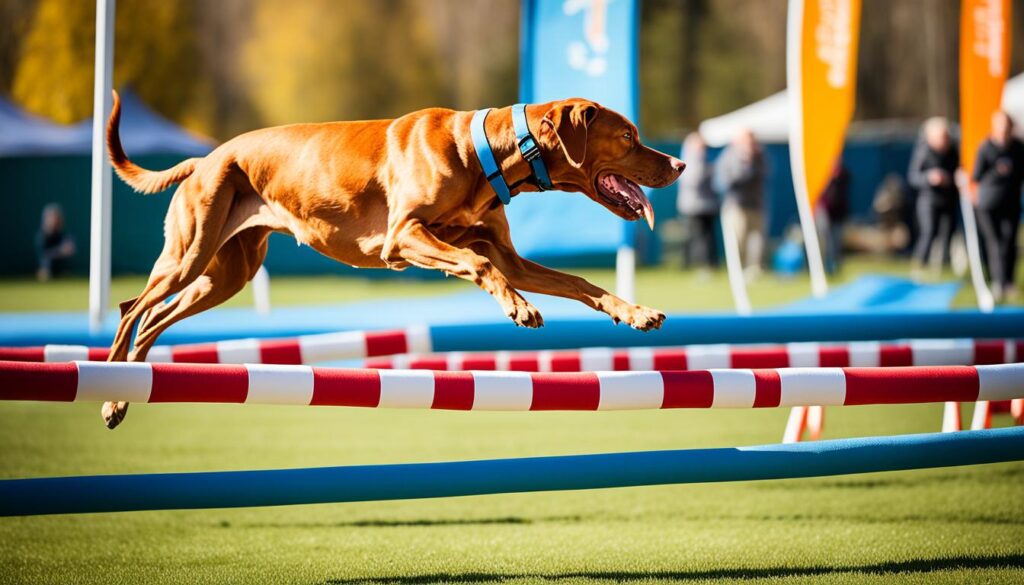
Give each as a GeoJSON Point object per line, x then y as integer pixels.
{"type": "Point", "coordinates": [769, 328]}
{"type": "Point", "coordinates": [230, 489]}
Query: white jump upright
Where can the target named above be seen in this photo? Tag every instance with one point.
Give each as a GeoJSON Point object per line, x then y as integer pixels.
{"type": "Point", "coordinates": [100, 211]}
{"type": "Point", "coordinates": [261, 291]}
{"type": "Point", "coordinates": [734, 266]}
{"type": "Point", "coordinates": [625, 272]}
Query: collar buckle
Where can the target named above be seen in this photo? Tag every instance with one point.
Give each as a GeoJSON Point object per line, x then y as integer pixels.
{"type": "Point", "coordinates": [529, 149]}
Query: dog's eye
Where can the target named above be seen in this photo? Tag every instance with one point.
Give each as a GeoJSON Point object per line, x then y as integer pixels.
{"type": "Point", "coordinates": [628, 136]}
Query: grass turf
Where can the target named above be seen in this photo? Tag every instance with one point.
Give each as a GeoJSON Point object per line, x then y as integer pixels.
{"type": "Point", "coordinates": [937, 526]}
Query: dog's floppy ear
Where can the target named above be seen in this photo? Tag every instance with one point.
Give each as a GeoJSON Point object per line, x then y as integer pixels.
{"type": "Point", "coordinates": [566, 123]}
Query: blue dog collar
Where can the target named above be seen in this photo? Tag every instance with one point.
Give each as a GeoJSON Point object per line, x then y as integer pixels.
{"type": "Point", "coordinates": [528, 148]}
{"type": "Point", "coordinates": [486, 156]}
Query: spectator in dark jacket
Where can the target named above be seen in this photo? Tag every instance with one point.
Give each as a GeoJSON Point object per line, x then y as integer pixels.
{"type": "Point", "coordinates": [698, 203]}
{"type": "Point", "coordinates": [740, 176]}
{"type": "Point", "coordinates": [932, 172]}
{"type": "Point", "coordinates": [999, 173]}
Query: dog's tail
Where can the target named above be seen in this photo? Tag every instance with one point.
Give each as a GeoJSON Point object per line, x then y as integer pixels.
{"type": "Point", "coordinates": [140, 179]}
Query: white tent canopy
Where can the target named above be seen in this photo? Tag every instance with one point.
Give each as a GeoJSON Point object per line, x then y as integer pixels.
{"type": "Point", "coordinates": [769, 118]}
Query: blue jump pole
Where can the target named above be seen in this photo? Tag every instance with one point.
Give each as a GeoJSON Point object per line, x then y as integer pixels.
{"type": "Point", "coordinates": [702, 329]}
{"type": "Point", "coordinates": [232, 489]}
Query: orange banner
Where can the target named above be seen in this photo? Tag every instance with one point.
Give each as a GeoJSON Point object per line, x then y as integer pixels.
{"type": "Point", "coordinates": [984, 65]}
{"type": "Point", "coordinates": [822, 75]}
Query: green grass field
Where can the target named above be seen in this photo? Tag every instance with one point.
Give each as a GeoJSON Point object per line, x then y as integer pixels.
{"type": "Point", "coordinates": [958, 525]}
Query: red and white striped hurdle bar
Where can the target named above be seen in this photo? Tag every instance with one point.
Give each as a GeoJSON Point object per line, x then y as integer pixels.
{"type": "Point", "coordinates": [404, 349]}
{"type": "Point", "coordinates": [305, 349]}
{"type": "Point", "coordinates": [482, 390]}
{"type": "Point", "coordinates": [921, 352]}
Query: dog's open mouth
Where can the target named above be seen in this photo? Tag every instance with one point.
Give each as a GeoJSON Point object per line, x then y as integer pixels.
{"type": "Point", "coordinates": [620, 192]}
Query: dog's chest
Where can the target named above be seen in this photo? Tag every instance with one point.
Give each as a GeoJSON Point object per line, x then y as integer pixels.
{"type": "Point", "coordinates": [464, 217]}
{"type": "Point", "coordinates": [451, 233]}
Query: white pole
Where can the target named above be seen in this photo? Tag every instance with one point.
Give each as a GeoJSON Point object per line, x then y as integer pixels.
{"type": "Point", "coordinates": [984, 296]}
{"type": "Point", "coordinates": [982, 413]}
{"type": "Point", "coordinates": [99, 233]}
{"type": "Point", "coordinates": [795, 424]}
{"type": "Point", "coordinates": [625, 273]}
{"type": "Point", "coordinates": [819, 285]}
{"type": "Point", "coordinates": [985, 301]}
{"type": "Point", "coordinates": [815, 266]}
{"type": "Point", "coordinates": [261, 291]}
{"type": "Point", "coordinates": [733, 262]}
{"type": "Point", "coordinates": [951, 417]}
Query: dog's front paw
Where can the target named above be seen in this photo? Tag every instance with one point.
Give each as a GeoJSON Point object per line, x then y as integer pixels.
{"type": "Point", "coordinates": [523, 313]}
{"type": "Point", "coordinates": [113, 413]}
{"type": "Point", "coordinates": [642, 318]}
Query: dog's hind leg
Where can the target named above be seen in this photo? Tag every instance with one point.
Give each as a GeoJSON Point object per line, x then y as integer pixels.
{"type": "Point", "coordinates": [191, 236]}
{"type": "Point", "coordinates": [193, 227]}
{"type": "Point", "coordinates": [231, 268]}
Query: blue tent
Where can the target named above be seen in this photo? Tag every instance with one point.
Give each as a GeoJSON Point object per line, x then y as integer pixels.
{"type": "Point", "coordinates": [143, 132]}
{"type": "Point", "coordinates": [24, 134]}
{"type": "Point", "coordinates": [43, 162]}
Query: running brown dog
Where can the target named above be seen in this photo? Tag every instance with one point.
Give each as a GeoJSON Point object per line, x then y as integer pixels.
{"type": "Point", "coordinates": [381, 194]}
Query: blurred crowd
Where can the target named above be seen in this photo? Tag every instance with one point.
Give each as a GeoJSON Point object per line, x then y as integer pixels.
{"type": "Point", "coordinates": [921, 210]}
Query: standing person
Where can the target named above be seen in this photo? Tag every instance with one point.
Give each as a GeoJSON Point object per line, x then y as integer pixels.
{"type": "Point", "coordinates": [698, 202]}
{"type": "Point", "coordinates": [999, 173]}
{"type": "Point", "coordinates": [53, 246]}
{"type": "Point", "coordinates": [830, 212]}
{"type": "Point", "coordinates": [933, 173]}
{"type": "Point", "coordinates": [739, 175]}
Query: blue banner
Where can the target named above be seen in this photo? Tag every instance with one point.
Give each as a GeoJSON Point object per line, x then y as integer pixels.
{"type": "Point", "coordinates": [575, 48]}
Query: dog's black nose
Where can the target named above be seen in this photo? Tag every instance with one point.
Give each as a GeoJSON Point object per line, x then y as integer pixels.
{"type": "Point", "coordinates": [678, 165]}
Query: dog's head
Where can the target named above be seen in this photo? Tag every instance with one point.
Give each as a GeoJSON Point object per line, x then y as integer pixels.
{"type": "Point", "coordinates": [596, 151]}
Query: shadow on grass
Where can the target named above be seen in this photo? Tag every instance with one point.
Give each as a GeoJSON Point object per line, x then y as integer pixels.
{"type": "Point", "coordinates": [1015, 561]}
{"type": "Point", "coordinates": [909, 480]}
{"type": "Point", "coordinates": [425, 522]}
{"type": "Point", "coordinates": [882, 519]}
{"type": "Point", "coordinates": [944, 518]}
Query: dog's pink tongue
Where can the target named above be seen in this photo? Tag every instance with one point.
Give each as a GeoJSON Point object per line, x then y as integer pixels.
{"type": "Point", "coordinates": [648, 210]}
{"type": "Point", "coordinates": [637, 194]}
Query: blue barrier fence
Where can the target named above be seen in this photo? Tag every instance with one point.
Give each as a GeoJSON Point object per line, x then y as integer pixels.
{"type": "Point", "coordinates": [232, 489]}
{"type": "Point", "coordinates": [702, 329]}
{"type": "Point", "coordinates": [487, 329]}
